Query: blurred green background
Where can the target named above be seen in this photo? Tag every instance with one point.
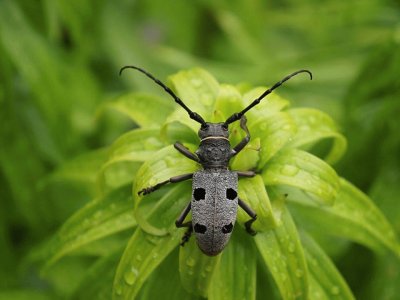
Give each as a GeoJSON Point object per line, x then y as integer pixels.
{"type": "Point", "coordinates": [59, 62]}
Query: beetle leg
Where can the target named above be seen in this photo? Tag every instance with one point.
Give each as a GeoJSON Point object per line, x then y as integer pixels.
{"type": "Point", "coordinates": [174, 179]}
{"type": "Point", "coordinates": [185, 151]}
{"type": "Point", "coordinates": [246, 173]}
{"type": "Point", "coordinates": [179, 223]}
{"type": "Point", "coordinates": [184, 213]}
{"type": "Point", "coordinates": [239, 147]}
{"type": "Point", "coordinates": [186, 236]}
{"type": "Point", "coordinates": [251, 213]}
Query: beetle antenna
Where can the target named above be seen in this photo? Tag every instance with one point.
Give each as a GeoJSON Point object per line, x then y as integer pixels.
{"type": "Point", "coordinates": [237, 116]}
{"type": "Point", "coordinates": [193, 115]}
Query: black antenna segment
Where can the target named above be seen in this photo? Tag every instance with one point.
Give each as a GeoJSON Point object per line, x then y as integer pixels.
{"type": "Point", "coordinates": [193, 115]}
{"type": "Point", "coordinates": [237, 116]}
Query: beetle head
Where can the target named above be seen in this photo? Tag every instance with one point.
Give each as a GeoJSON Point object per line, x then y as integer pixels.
{"type": "Point", "coordinates": [213, 130]}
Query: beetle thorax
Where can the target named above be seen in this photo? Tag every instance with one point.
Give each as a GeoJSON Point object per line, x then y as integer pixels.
{"type": "Point", "coordinates": [214, 153]}
{"type": "Point", "coordinates": [215, 150]}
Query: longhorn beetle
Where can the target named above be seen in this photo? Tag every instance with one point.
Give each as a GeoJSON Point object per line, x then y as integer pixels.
{"type": "Point", "coordinates": [215, 188]}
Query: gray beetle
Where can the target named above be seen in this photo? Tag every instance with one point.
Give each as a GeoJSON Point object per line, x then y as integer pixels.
{"type": "Point", "coordinates": [215, 188]}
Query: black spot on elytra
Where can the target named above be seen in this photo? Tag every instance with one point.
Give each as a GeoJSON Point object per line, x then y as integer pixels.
{"type": "Point", "coordinates": [231, 194]}
{"type": "Point", "coordinates": [199, 228]}
{"type": "Point", "coordinates": [199, 194]}
{"type": "Point", "coordinates": [227, 228]}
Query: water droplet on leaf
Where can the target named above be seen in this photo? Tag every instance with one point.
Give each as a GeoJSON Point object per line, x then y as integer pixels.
{"type": "Point", "coordinates": [118, 289]}
{"type": "Point", "coordinates": [299, 273]}
{"type": "Point", "coordinates": [153, 239]}
{"type": "Point", "coordinates": [190, 262]}
{"type": "Point", "coordinates": [289, 170]}
{"type": "Point", "coordinates": [335, 290]}
{"type": "Point", "coordinates": [304, 128]}
{"type": "Point", "coordinates": [312, 119]}
{"type": "Point", "coordinates": [130, 276]}
{"type": "Point", "coordinates": [170, 162]}
{"type": "Point", "coordinates": [287, 127]}
{"type": "Point", "coordinates": [291, 247]}
{"type": "Point", "coordinates": [195, 82]}
{"type": "Point", "coordinates": [98, 214]}
{"type": "Point", "coordinates": [206, 99]}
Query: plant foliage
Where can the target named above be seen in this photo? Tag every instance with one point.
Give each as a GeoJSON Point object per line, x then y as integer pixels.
{"type": "Point", "coordinates": [294, 191]}
{"type": "Point", "coordinates": [69, 151]}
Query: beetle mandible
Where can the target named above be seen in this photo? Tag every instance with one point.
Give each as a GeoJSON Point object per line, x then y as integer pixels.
{"type": "Point", "coordinates": [215, 188]}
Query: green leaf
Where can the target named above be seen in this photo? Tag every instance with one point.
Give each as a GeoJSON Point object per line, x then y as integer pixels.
{"type": "Point", "coordinates": [126, 155]}
{"type": "Point", "coordinates": [117, 174]}
{"type": "Point", "coordinates": [166, 163]}
{"type": "Point", "coordinates": [97, 283]}
{"type": "Point", "coordinates": [196, 268]}
{"type": "Point", "coordinates": [304, 171]}
{"type": "Point", "coordinates": [46, 74]}
{"type": "Point", "coordinates": [325, 280]}
{"type": "Point", "coordinates": [104, 246]}
{"type": "Point", "coordinates": [186, 124]}
{"type": "Point", "coordinates": [386, 188]}
{"type": "Point", "coordinates": [165, 283]}
{"type": "Point", "coordinates": [314, 125]}
{"type": "Point", "coordinates": [248, 158]}
{"type": "Point", "coordinates": [252, 191]}
{"type": "Point", "coordinates": [385, 278]}
{"type": "Point", "coordinates": [235, 30]}
{"type": "Point", "coordinates": [135, 145]}
{"type": "Point", "coordinates": [96, 220]}
{"type": "Point", "coordinates": [353, 216]}
{"type": "Point", "coordinates": [235, 277]}
{"type": "Point", "coordinates": [23, 294]}
{"type": "Point", "coordinates": [282, 252]}
{"type": "Point", "coordinates": [145, 110]}
{"type": "Point", "coordinates": [228, 101]}
{"type": "Point", "coordinates": [173, 131]}
{"type": "Point", "coordinates": [274, 131]}
{"type": "Point", "coordinates": [273, 104]}
{"type": "Point", "coordinates": [82, 168]}
{"type": "Point", "coordinates": [142, 255]}
{"type": "Point", "coordinates": [157, 213]}
{"type": "Point", "coordinates": [198, 90]}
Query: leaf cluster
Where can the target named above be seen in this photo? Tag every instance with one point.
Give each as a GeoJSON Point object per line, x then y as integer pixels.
{"type": "Point", "coordinates": [296, 193]}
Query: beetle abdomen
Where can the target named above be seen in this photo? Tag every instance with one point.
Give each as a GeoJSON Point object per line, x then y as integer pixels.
{"type": "Point", "coordinates": [214, 208]}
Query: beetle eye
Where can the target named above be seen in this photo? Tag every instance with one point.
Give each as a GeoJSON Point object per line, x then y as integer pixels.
{"type": "Point", "coordinates": [225, 127]}
{"type": "Point", "coordinates": [204, 127]}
